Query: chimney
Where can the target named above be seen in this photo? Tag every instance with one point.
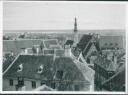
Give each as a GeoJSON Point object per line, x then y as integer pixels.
{"type": "Point", "coordinates": [12, 54]}
{"type": "Point", "coordinates": [67, 51]}
{"type": "Point", "coordinates": [54, 55]}
{"type": "Point", "coordinates": [37, 50]}
{"type": "Point", "coordinates": [26, 51]}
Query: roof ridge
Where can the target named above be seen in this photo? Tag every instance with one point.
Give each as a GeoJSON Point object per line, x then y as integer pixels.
{"type": "Point", "coordinates": [11, 64]}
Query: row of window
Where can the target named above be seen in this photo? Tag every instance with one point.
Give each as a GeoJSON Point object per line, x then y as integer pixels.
{"type": "Point", "coordinates": [116, 44]}
{"type": "Point", "coordinates": [33, 83]}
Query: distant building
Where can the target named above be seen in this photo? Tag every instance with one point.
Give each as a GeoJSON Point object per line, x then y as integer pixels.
{"type": "Point", "coordinates": [111, 42]}
{"type": "Point", "coordinates": [24, 45]}
{"type": "Point", "coordinates": [18, 46]}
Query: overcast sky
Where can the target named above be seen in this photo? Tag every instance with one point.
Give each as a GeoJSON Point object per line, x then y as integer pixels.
{"type": "Point", "coordinates": [52, 15]}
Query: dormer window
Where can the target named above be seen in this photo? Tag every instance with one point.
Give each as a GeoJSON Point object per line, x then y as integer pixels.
{"type": "Point", "coordinates": [40, 69]}
{"type": "Point", "coordinates": [20, 68]}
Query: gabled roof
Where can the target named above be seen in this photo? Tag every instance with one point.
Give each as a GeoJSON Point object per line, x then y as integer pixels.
{"type": "Point", "coordinates": [104, 63]}
{"type": "Point", "coordinates": [31, 64]}
{"type": "Point", "coordinates": [72, 73]}
{"type": "Point", "coordinates": [111, 42]}
{"type": "Point", "coordinates": [89, 46]}
{"type": "Point", "coordinates": [44, 88]}
{"type": "Point", "coordinates": [84, 41]}
{"type": "Point", "coordinates": [87, 49]}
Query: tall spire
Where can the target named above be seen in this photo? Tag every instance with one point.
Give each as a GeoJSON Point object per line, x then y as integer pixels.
{"type": "Point", "coordinates": [75, 25]}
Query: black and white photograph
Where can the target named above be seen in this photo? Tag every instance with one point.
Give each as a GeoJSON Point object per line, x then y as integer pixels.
{"type": "Point", "coordinates": [60, 47]}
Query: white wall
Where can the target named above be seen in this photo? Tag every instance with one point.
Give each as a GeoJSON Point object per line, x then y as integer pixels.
{"type": "Point", "coordinates": [27, 83]}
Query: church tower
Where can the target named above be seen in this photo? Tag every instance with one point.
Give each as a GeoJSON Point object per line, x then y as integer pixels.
{"type": "Point", "coordinates": [75, 32]}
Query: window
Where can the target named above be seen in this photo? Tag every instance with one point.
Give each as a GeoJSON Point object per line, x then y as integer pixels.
{"type": "Point", "coordinates": [59, 74]}
{"type": "Point", "coordinates": [11, 82]}
{"type": "Point", "coordinates": [20, 81]}
{"type": "Point", "coordinates": [76, 87]}
{"type": "Point", "coordinates": [53, 85]}
{"type": "Point", "coordinates": [33, 84]}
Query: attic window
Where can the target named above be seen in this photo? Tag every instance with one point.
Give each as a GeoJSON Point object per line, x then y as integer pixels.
{"type": "Point", "coordinates": [40, 69]}
{"type": "Point", "coordinates": [20, 68]}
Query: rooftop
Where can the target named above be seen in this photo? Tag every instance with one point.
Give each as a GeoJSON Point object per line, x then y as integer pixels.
{"type": "Point", "coordinates": [84, 40]}
{"type": "Point", "coordinates": [111, 42]}
{"type": "Point", "coordinates": [31, 64]}
{"type": "Point", "coordinates": [16, 45]}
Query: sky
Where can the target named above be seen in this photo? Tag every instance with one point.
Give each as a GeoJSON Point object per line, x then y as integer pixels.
{"type": "Point", "coordinates": [60, 15]}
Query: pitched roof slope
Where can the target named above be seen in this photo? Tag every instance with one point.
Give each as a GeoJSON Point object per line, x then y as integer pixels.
{"type": "Point", "coordinates": [16, 45]}
{"type": "Point", "coordinates": [111, 41]}
{"type": "Point", "coordinates": [72, 72]}
{"type": "Point", "coordinates": [31, 64]}
{"type": "Point", "coordinates": [51, 42]}
{"type": "Point", "coordinates": [84, 40]}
